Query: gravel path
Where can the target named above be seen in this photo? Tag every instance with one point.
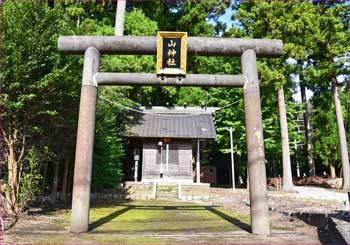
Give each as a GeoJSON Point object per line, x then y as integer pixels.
{"type": "Point", "coordinates": [303, 199]}
{"type": "Point", "coordinates": [320, 193]}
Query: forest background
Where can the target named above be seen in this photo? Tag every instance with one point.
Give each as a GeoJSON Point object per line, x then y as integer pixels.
{"type": "Point", "coordinates": [40, 88]}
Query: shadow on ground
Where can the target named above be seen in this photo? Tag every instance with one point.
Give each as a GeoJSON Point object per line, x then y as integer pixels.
{"type": "Point", "coordinates": [327, 231]}
{"type": "Point", "coordinates": [169, 215]}
{"type": "Point", "coordinates": [232, 220]}
{"type": "Point", "coordinates": [149, 222]}
{"type": "Point", "coordinates": [108, 218]}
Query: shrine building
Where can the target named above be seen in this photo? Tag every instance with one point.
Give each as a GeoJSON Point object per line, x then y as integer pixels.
{"type": "Point", "coordinates": [165, 144]}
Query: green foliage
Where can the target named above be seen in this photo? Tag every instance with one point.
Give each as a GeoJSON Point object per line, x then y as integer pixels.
{"type": "Point", "coordinates": [109, 147]}
{"type": "Point", "coordinates": [133, 27]}
{"type": "Point", "coordinates": [107, 167]}
{"type": "Point", "coordinates": [326, 138]}
{"type": "Point", "coordinates": [35, 82]}
{"type": "Point", "coordinates": [316, 37]}
{"type": "Point", "coordinates": [29, 42]}
{"type": "Point", "coordinates": [192, 18]}
{"type": "Point", "coordinates": [329, 61]}
{"type": "Point", "coordinates": [186, 16]}
{"type": "Point", "coordinates": [31, 177]}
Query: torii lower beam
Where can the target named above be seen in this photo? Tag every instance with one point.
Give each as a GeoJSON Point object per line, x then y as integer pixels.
{"type": "Point", "coordinates": [111, 78]}
{"type": "Point", "coordinates": [248, 49]}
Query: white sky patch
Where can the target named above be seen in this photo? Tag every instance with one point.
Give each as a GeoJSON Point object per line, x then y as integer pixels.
{"type": "Point", "coordinates": [297, 94]}
{"type": "Point", "coordinates": [226, 18]}
{"type": "Point", "coordinates": [291, 61]}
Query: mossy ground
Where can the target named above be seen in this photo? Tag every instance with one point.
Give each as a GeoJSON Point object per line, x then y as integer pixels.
{"type": "Point", "coordinates": [138, 222]}
{"type": "Point", "coordinates": [171, 222]}
{"type": "Point", "coordinates": [162, 216]}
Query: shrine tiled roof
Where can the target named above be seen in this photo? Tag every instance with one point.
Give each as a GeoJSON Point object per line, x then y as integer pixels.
{"type": "Point", "coordinates": [186, 123]}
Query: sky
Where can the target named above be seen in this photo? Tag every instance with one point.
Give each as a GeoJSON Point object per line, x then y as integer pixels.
{"type": "Point", "coordinates": [226, 18]}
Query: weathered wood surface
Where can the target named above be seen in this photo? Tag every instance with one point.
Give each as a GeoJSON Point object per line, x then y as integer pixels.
{"type": "Point", "coordinates": [109, 78]}
{"type": "Point", "coordinates": [147, 45]}
{"type": "Point", "coordinates": [181, 169]}
{"type": "Point", "coordinates": [255, 146]}
{"type": "Point", "coordinates": [85, 144]}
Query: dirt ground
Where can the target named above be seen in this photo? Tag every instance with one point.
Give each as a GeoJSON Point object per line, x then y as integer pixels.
{"type": "Point", "coordinates": [225, 219]}
{"type": "Point", "coordinates": [283, 206]}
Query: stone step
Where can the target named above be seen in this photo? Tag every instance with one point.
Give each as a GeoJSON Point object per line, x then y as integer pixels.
{"type": "Point", "coordinates": [167, 192]}
{"type": "Point", "coordinates": [166, 188]}
{"type": "Point", "coordinates": [166, 197]}
{"type": "Point", "coordinates": [162, 191]}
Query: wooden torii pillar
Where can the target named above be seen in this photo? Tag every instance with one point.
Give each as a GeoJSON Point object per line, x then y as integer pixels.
{"type": "Point", "coordinates": [247, 49]}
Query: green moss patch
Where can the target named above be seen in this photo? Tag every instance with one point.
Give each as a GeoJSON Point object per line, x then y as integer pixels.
{"type": "Point", "coordinates": [163, 216]}
{"type": "Point", "coordinates": [146, 222]}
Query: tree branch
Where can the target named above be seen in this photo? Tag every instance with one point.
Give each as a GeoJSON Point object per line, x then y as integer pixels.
{"type": "Point", "coordinates": [23, 147]}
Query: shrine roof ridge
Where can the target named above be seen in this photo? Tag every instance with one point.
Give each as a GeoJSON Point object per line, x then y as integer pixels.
{"type": "Point", "coordinates": [178, 109]}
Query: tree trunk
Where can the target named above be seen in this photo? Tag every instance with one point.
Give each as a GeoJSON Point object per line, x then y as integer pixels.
{"type": "Point", "coordinates": [347, 128]}
{"type": "Point", "coordinates": [44, 174]}
{"type": "Point", "coordinates": [308, 136]}
{"type": "Point", "coordinates": [247, 179]}
{"type": "Point", "coordinates": [287, 169]}
{"type": "Point", "coordinates": [63, 195]}
{"type": "Point", "coordinates": [54, 183]}
{"type": "Point", "coordinates": [70, 179]}
{"type": "Point", "coordinates": [342, 137]}
{"type": "Point", "coordinates": [332, 170]}
{"type": "Point", "coordinates": [12, 180]}
{"type": "Point", "coordinates": [119, 18]}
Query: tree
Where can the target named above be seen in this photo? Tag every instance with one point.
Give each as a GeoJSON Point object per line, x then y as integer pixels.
{"type": "Point", "coordinates": [315, 36]}
{"type": "Point", "coordinates": [269, 20]}
{"type": "Point", "coordinates": [278, 21]}
{"type": "Point", "coordinates": [326, 140]}
{"type": "Point", "coordinates": [330, 62]}
{"type": "Point", "coordinates": [111, 113]}
{"type": "Point", "coordinates": [29, 91]}
{"type": "Point", "coordinates": [287, 170]}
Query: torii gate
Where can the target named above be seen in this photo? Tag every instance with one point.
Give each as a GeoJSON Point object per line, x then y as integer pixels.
{"type": "Point", "coordinates": [95, 46]}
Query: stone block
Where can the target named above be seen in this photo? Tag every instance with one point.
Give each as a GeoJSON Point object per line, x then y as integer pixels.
{"type": "Point", "coordinates": [205, 198]}
{"type": "Point", "coordinates": [197, 198]}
